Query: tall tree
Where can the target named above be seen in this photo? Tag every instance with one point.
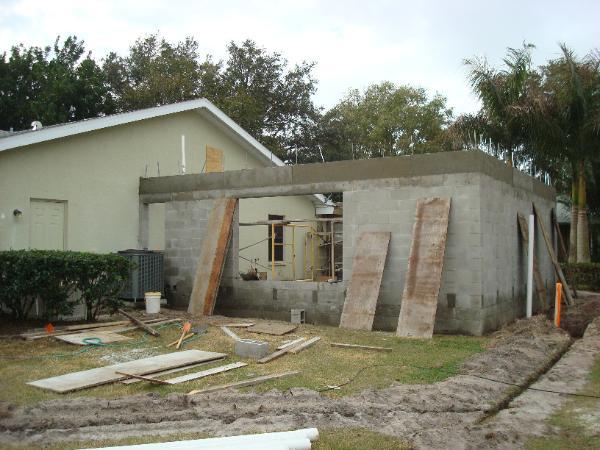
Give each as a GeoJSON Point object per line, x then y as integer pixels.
{"type": "Point", "coordinates": [566, 113]}
{"type": "Point", "coordinates": [501, 93]}
{"type": "Point", "coordinates": [55, 84]}
{"type": "Point", "coordinates": [267, 98]}
{"type": "Point", "coordinates": [385, 120]}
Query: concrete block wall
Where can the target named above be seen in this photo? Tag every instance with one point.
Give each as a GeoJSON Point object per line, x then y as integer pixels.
{"type": "Point", "coordinates": [393, 209]}
{"type": "Point", "coordinates": [185, 223]}
{"type": "Point", "coordinates": [274, 300]}
{"type": "Point", "coordinates": [504, 263]}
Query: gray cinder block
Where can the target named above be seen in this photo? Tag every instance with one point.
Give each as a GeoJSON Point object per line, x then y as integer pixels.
{"type": "Point", "coordinates": [249, 348]}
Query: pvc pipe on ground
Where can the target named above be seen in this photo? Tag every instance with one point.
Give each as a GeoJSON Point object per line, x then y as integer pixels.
{"type": "Point", "coordinates": [297, 440]}
{"type": "Point", "coordinates": [531, 238]}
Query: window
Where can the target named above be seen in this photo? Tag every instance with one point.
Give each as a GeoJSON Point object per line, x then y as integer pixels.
{"type": "Point", "coordinates": [278, 239]}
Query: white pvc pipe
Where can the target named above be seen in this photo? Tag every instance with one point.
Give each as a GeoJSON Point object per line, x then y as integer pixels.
{"type": "Point", "coordinates": [183, 153]}
{"type": "Point", "coordinates": [297, 440]}
{"type": "Point", "coordinates": [530, 265]}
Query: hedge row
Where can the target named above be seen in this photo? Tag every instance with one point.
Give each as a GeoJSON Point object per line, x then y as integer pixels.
{"type": "Point", "coordinates": [585, 276]}
{"type": "Point", "coordinates": [60, 280]}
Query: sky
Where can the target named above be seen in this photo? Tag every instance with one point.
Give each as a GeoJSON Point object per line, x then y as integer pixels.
{"type": "Point", "coordinates": [353, 43]}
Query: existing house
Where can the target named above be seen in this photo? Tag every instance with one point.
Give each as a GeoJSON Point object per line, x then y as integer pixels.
{"type": "Point", "coordinates": [75, 186]}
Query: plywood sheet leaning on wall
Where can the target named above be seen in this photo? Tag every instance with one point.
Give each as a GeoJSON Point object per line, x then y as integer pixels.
{"type": "Point", "coordinates": [212, 257]}
{"type": "Point", "coordinates": [363, 288]}
{"type": "Point", "coordinates": [424, 272]}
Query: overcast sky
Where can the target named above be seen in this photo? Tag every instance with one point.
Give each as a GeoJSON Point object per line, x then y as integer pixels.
{"type": "Point", "coordinates": [354, 43]}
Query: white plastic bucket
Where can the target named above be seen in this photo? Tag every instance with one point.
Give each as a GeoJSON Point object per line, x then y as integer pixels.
{"type": "Point", "coordinates": [152, 302]}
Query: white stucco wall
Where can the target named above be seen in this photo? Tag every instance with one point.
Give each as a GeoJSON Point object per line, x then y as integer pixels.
{"type": "Point", "coordinates": [97, 175]}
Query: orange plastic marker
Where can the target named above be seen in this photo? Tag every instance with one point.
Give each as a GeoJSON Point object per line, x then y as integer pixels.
{"type": "Point", "coordinates": [557, 304]}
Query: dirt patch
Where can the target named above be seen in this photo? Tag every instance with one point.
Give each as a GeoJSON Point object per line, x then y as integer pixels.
{"type": "Point", "coordinates": [577, 317]}
{"type": "Point", "coordinates": [424, 414]}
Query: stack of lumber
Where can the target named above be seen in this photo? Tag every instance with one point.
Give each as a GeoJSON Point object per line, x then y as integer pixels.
{"type": "Point", "coordinates": [113, 327]}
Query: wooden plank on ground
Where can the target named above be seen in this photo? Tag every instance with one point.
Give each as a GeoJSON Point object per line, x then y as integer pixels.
{"type": "Point", "coordinates": [230, 333]}
{"type": "Point", "coordinates": [304, 345]}
{"type": "Point", "coordinates": [104, 337]}
{"type": "Point", "coordinates": [276, 329]}
{"type": "Point", "coordinates": [142, 378]}
{"type": "Point", "coordinates": [363, 288]}
{"type": "Point", "coordinates": [244, 383]}
{"type": "Point", "coordinates": [361, 347]}
{"type": "Point", "coordinates": [61, 331]}
{"type": "Point", "coordinates": [290, 343]}
{"type": "Point", "coordinates": [557, 268]}
{"type": "Point", "coordinates": [169, 371]}
{"type": "Point", "coordinates": [148, 329]}
{"type": "Point", "coordinates": [205, 373]}
{"type": "Point", "coordinates": [238, 324]}
{"type": "Point", "coordinates": [424, 272]}
{"type": "Point", "coordinates": [102, 375]}
{"type": "Point", "coordinates": [212, 257]}
{"type": "Point", "coordinates": [539, 284]}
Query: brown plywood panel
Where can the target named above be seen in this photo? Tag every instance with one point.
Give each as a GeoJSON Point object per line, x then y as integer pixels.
{"type": "Point", "coordinates": [214, 159]}
{"type": "Point", "coordinates": [108, 374]}
{"type": "Point", "coordinates": [276, 329]}
{"type": "Point", "coordinates": [424, 273]}
{"type": "Point", "coordinates": [212, 257]}
{"type": "Point", "coordinates": [363, 288]}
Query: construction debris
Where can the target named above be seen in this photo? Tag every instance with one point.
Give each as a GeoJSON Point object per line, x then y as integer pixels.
{"type": "Point", "coordinates": [148, 329]}
{"type": "Point", "coordinates": [249, 348]}
{"type": "Point", "coordinates": [290, 343]}
{"type": "Point", "coordinates": [361, 347]}
{"type": "Point", "coordinates": [185, 330]}
{"type": "Point", "coordinates": [284, 440]}
{"type": "Point", "coordinates": [142, 378]}
{"type": "Point", "coordinates": [230, 333]}
{"type": "Point", "coordinates": [92, 338]}
{"type": "Point", "coordinates": [244, 383]}
{"type": "Point", "coordinates": [205, 373]}
{"type": "Point", "coordinates": [102, 375]}
{"type": "Point", "coordinates": [115, 327]}
{"type": "Point", "coordinates": [273, 328]}
{"type": "Point", "coordinates": [304, 345]}
{"type": "Point", "coordinates": [238, 325]}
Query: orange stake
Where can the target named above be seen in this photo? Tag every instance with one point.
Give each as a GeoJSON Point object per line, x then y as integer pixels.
{"type": "Point", "coordinates": [557, 304]}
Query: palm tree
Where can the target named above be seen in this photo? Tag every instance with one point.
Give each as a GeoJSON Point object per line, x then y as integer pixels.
{"type": "Point", "coordinates": [564, 126]}
{"type": "Point", "coordinates": [501, 91]}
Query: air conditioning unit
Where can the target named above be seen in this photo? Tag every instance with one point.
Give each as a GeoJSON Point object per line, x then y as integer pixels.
{"type": "Point", "coordinates": [147, 273]}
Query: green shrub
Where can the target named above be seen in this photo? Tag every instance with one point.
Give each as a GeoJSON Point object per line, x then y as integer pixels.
{"type": "Point", "coordinates": [585, 276]}
{"type": "Point", "coordinates": [56, 277]}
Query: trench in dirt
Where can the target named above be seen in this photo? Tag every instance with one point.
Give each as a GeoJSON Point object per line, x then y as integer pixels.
{"type": "Point", "coordinates": [423, 414]}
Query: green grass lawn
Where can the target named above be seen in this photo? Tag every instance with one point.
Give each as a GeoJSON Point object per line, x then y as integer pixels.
{"type": "Point", "coordinates": [574, 421]}
{"type": "Point", "coordinates": [411, 361]}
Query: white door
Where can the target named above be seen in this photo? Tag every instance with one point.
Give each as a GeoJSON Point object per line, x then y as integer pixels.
{"type": "Point", "coordinates": [47, 225]}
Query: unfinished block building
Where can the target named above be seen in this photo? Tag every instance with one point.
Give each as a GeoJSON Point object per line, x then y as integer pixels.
{"type": "Point", "coordinates": [483, 283]}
